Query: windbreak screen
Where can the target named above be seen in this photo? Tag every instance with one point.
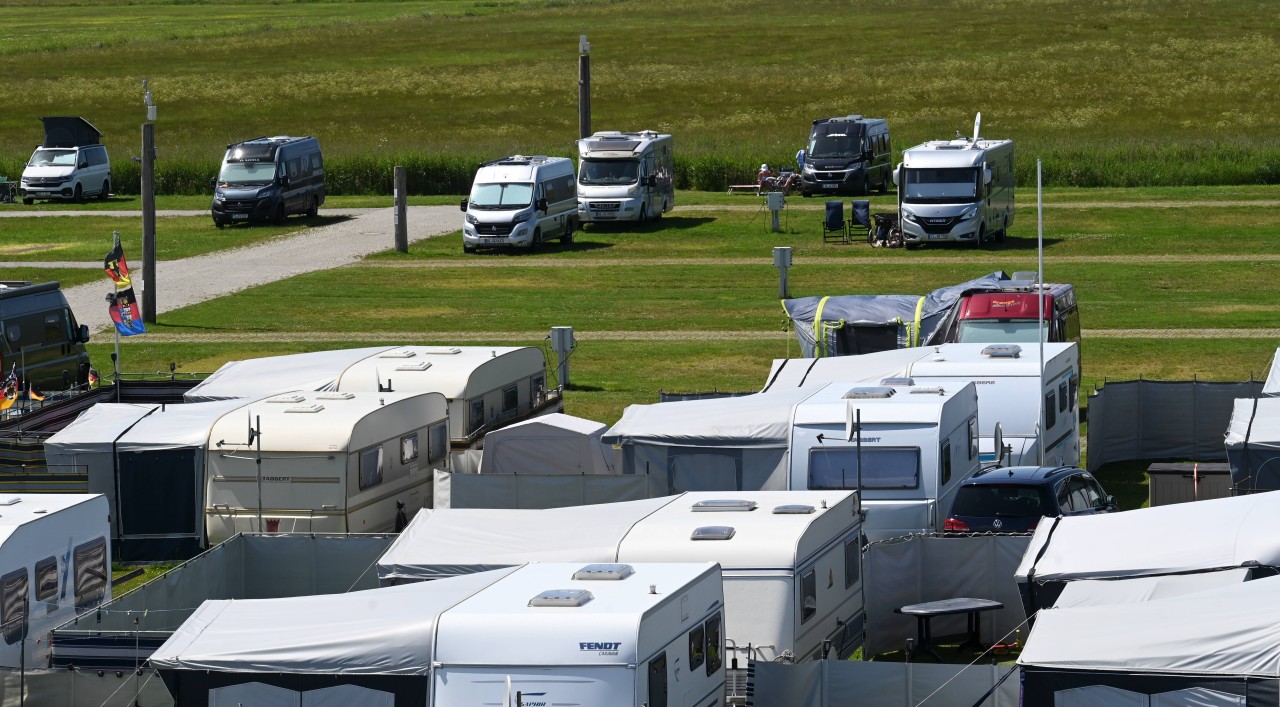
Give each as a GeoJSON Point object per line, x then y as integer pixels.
{"type": "Point", "coordinates": [158, 492]}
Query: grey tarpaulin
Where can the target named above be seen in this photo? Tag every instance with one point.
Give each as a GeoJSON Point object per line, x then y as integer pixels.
{"type": "Point", "coordinates": [1161, 420]}
{"type": "Point", "coordinates": [1253, 444]}
{"type": "Point", "coordinates": [839, 325]}
{"type": "Point", "coordinates": [1271, 388]}
{"type": "Point", "coordinates": [837, 683]}
{"type": "Point", "coordinates": [537, 490]}
{"type": "Point", "coordinates": [547, 444]}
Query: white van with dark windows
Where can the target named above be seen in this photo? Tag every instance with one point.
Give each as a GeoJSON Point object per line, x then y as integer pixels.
{"type": "Point", "coordinates": [268, 178]}
{"type": "Point", "coordinates": [71, 163]}
{"type": "Point", "coordinates": [520, 202]}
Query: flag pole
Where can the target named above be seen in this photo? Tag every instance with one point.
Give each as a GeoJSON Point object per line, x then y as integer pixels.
{"type": "Point", "coordinates": [115, 360]}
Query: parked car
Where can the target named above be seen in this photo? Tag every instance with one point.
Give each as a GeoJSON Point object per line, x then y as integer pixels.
{"type": "Point", "coordinates": [70, 164]}
{"type": "Point", "coordinates": [1014, 499]}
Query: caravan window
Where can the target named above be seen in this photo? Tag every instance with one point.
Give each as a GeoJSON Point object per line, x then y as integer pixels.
{"type": "Point", "coordinates": [808, 596]}
{"type": "Point", "coordinates": [409, 448]}
{"type": "Point", "coordinates": [1050, 411]}
{"type": "Point", "coordinates": [944, 457]}
{"type": "Point", "coordinates": [697, 647]}
{"type": "Point", "coordinates": [658, 681]}
{"type": "Point", "coordinates": [476, 419]}
{"type": "Point", "coordinates": [852, 561]}
{"type": "Point", "coordinates": [510, 399]}
{"type": "Point", "coordinates": [973, 438]}
{"type": "Point", "coordinates": [537, 386]}
{"type": "Point", "coordinates": [437, 442]}
{"type": "Point", "coordinates": [715, 658]}
{"type": "Point", "coordinates": [1063, 400]}
{"type": "Point", "coordinates": [882, 468]}
{"type": "Point", "coordinates": [47, 579]}
{"type": "Point", "coordinates": [370, 467]}
{"type": "Point", "coordinates": [90, 571]}
{"type": "Point", "coordinates": [13, 614]}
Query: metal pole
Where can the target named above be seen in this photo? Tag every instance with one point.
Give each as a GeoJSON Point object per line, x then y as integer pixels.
{"type": "Point", "coordinates": [148, 223]}
{"type": "Point", "coordinates": [258, 462]}
{"type": "Point", "coordinates": [1040, 296]}
{"type": "Point", "coordinates": [584, 87]}
{"type": "Point", "coordinates": [402, 226]}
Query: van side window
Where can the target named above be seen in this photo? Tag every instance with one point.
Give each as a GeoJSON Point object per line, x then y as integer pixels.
{"type": "Point", "coordinates": [808, 596]}
{"type": "Point", "coordinates": [697, 646]}
{"type": "Point", "coordinates": [1050, 411]}
{"type": "Point", "coordinates": [715, 657]}
{"type": "Point", "coordinates": [437, 442]}
{"type": "Point", "coordinates": [13, 613]}
{"type": "Point", "coordinates": [47, 579]}
{"type": "Point", "coordinates": [370, 467]}
{"type": "Point", "coordinates": [944, 457]}
{"type": "Point", "coordinates": [315, 162]}
{"type": "Point", "coordinates": [55, 326]}
{"type": "Point", "coordinates": [90, 572]}
{"type": "Point", "coordinates": [852, 561]}
{"type": "Point", "coordinates": [658, 681]}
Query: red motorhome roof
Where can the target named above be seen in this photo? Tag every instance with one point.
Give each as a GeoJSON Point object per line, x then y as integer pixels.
{"type": "Point", "coordinates": [1003, 305]}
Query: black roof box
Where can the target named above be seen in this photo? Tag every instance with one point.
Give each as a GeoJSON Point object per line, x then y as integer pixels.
{"type": "Point", "coordinates": [69, 131]}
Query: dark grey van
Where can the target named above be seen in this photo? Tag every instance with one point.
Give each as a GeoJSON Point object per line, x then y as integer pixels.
{"type": "Point", "coordinates": [847, 155]}
{"type": "Point", "coordinates": [268, 178]}
{"type": "Point", "coordinates": [41, 340]}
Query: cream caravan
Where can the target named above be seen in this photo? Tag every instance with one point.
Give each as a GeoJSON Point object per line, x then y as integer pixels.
{"type": "Point", "coordinates": [333, 462]}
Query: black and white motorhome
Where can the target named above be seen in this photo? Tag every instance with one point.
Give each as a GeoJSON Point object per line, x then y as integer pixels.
{"type": "Point", "coordinates": [42, 342]}
{"type": "Point", "coordinates": [268, 178]}
{"type": "Point", "coordinates": [847, 155]}
{"type": "Point", "coordinates": [956, 191]}
{"type": "Point", "coordinates": [625, 176]}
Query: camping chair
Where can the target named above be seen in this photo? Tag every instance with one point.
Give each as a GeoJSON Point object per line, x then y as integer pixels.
{"type": "Point", "coordinates": [8, 194]}
{"type": "Point", "coordinates": [861, 214]}
{"type": "Point", "coordinates": [834, 228]}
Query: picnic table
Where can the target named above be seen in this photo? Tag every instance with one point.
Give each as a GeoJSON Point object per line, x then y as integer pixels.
{"type": "Point", "coordinates": [925, 612]}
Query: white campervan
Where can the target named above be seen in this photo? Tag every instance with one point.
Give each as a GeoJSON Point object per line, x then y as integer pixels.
{"type": "Point", "coordinates": [625, 176]}
{"type": "Point", "coordinates": [956, 190]}
{"type": "Point", "coordinates": [520, 202]}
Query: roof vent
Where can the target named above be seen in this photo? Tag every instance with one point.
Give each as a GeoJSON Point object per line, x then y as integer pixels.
{"type": "Point", "coordinates": [904, 381]}
{"type": "Point", "coordinates": [289, 398]}
{"type": "Point", "coordinates": [415, 366]}
{"type": "Point", "coordinates": [724, 504]}
{"type": "Point", "coordinates": [1002, 351]}
{"type": "Point", "coordinates": [713, 532]}
{"type": "Point", "coordinates": [793, 509]}
{"type": "Point", "coordinates": [442, 350]}
{"type": "Point", "coordinates": [604, 571]}
{"type": "Point", "coordinates": [335, 395]}
{"type": "Point", "coordinates": [312, 408]}
{"type": "Point", "coordinates": [398, 353]}
{"type": "Point", "coordinates": [869, 392]}
{"type": "Point", "coordinates": [929, 390]}
{"type": "Point", "coordinates": [10, 500]}
{"type": "Point", "coordinates": [562, 597]}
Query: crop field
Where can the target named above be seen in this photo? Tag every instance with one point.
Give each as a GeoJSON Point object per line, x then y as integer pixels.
{"type": "Point", "coordinates": [1154, 92]}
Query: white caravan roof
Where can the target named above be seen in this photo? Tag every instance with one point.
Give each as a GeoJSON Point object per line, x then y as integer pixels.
{"type": "Point", "coordinates": [615, 144]}
{"type": "Point", "coordinates": [459, 372]}
{"type": "Point", "coordinates": [1182, 537]}
{"type": "Point", "coordinates": [950, 153]}
{"type": "Point", "coordinates": [19, 509]}
{"type": "Point", "coordinates": [908, 404]}
{"type": "Point", "coordinates": [945, 360]}
{"type": "Point", "coordinates": [326, 421]}
{"type": "Point", "coordinates": [446, 542]}
{"type": "Point", "coordinates": [1228, 631]}
{"type": "Point", "coordinates": [386, 631]}
{"type": "Point", "coordinates": [762, 420]}
{"type": "Point", "coordinates": [555, 443]}
{"type": "Point", "coordinates": [260, 377]}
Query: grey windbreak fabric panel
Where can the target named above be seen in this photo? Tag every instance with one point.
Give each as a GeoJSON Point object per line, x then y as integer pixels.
{"type": "Point", "coordinates": [835, 683]}
{"type": "Point", "coordinates": [452, 490]}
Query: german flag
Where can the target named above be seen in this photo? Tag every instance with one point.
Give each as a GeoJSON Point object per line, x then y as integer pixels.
{"type": "Point", "coordinates": [117, 269]}
{"type": "Point", "coordinates": [33, 394]}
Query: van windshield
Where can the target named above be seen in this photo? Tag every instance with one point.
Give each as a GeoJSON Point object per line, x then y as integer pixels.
{"type": "Point", "coordinates": [55, 158]}
{"type": "Point", "coordinates": [247, 174]}
{"type": "Point", "coordinates": [604, 172]}
{"type": "Point", "coordinates": [925, 186]}
{"type": "Point", "coordinates": [501, 196]}
{"type": "Point", "coordinates": [990, 331]}
{"type": "Point", "coordinates": [834, 146]}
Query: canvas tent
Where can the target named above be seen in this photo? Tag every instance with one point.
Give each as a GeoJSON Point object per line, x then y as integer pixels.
{"type": "Point", "coordinates": [1253, 444]}
{"type": "Point", "coordinates": [1203, 649]}
{"type": "Point", "coordinates": [842, 325]}
{"type": "Point", "coordinates": [1164, 540]}
{"type": "Point", "coordinates": [550, 444]}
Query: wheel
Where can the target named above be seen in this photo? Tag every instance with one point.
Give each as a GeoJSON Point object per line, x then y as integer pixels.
{"type": "Point", "coordinates": [981, 240]}
{"type": "Point", "coordinates": [313, 207]}
{"type": "Point", "coordinates": [278, 217]}
{"type": "Point", "coordinates": [1004, 230]}
{"type": "Point", "coordinates": [106, 190]}
{"type": "Point", "coordinates": [78, 195]}
{"type": "Point", "coordinates": [537, 239]}
{"type": "Point", "coordinates": [866, 184]}
{"type": "Point", "coordinates": [468, 248]}
{"type": "Point", "coordinates": [27, 201]}
{"type": "Point", "coordinates": [872, 240]}
{"type": "Point", "coordinates": [643, 218]}
{"type": "Point", "coordinates": [567, 237]}
{"type": "Point", "coordinates": [219, 224]}
{"type": "Point", "coordinates": [884, 184]}
{"type": "Point", "coordinates": [663, 210]}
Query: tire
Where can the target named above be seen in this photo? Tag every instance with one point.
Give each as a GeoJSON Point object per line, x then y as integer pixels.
{"type": "Point", "coordinates": [278, 217]}
{"type": "Point", "coordinates": [643, 219]}
{"type": "Point", "coordinates": [27, 201]}
{"type": "Point", "coordinates": [537, 239]}
{"type": "Point", "coordinates": [219, 224]}
{"type": "Point", "coordinates": [313, 207]}
{"type": "Point", "coordinates": [1004, 229]}
{"type": "Point", "coordinates": [661, 211]}
{"type": "Point", "coordinates": [78, 194]}
{"type": "Point", "coordinates": [106, 190]}
{"type": "Point", "coordinates": [866, 184]}
{"type": "Point", "coordinates": [469, 249]}
{"type": "Point", "coordinates": [567, 237]}
{"type": "Point", "coordinates": [981, 239]}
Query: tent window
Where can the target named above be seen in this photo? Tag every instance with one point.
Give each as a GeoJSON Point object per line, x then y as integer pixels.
{"type": "Point", "coordinates": [658, 681]}
{"type": "Point", "coordinates": [409, 448]}
{"type": "Point", "coordinates": [437, 442]}
{"type": "Point", "coordinates": [697, 647]}
{"type": "Point", "coordinates": [808, 596]}
{"type": "Point", "coordinates": [852, 561]}
{"type": "Point", "coordinates": [47, 579]}
{"type": "Point", "coordinates": [715, 656]}
{"type": "Point", "coordinates": [510, 399]}
{"type": "Point", "coordinates": [370, 467]}
{"type": "Point", "coordinates": [90, 571]}
{"type": "Point", "coordinates": [882, 468]}
{"type": "Point", "coordinates": [476, 420]}
{"type": "Point", "coordinates": [13, 614]}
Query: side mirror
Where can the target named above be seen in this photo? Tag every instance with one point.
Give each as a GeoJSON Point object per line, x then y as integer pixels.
{"type": "Point", "coordinates": [649, 181]}
{"type": "Point", "coordinates": [896, 170]}
{"type": "Point", "coordinates": [284, 182]}
{"type": "Point", "coordinates": [213, 182]}
{"type": "Point", "coordinates": [462, 205]}
{"type": "Point", "coordinates": [1111, 503]}
{"type": "Point", "coordinates": [541, 205]}
{"type": "Point", "coordinates": [868, 155]}
{"type": "Point", "coordinates": [986, 175]}
{"type": "Point", "coordinates": [84, 165]}
{"type": "Point", "coordinates": [84, 333]}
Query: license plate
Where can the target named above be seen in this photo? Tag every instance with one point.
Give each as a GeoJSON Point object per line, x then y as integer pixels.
{"type": "Point", "coordinates": [829, 185]}
{"type": "Point", "coordinates": [937, 236]}
{"type": "Point", "coordinates": [493, 241]}
{"type": "Point", "coordinates": [236, 217]}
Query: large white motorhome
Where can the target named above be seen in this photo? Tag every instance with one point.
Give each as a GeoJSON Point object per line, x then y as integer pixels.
{"type": "Point", "coordinates": [520, 202]}
{"type": "Point", "coordinates": [917, 443]}
{"type": "Point", "coordinates": [55, 562]}
{"type": "Point", "coordinates": [329, 462]}
{"type": "Point", "coordinates": [625, 176]}
{"type": "Point", "coordinates": [534, 635]}
{"type": "Point", "coordinates": [956, 190]}
{"type": "Point", "coordinates": [772, 545]}
{"type": "Point", "coordinates": [1010, 383]}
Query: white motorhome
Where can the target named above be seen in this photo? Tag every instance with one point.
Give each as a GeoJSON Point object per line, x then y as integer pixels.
{"type": "Point", "coordinates": [917, 442]}
{"type": "Point", "coordinates": [625, 176]}
{"type": "Point", "coordinates": [55, 562]}
{"type": "Point", "coordinates": [331, 462]}
{"type": "Point", "coordinates": [1010, 383]}
{"type": "Point", "coordinates": [535, 635]}
{"type": "Point", "coordinates": [520, 202]}
{"type": "Point", "coordinates": [773, 546]}
{"type": "Point", "coordinates": [956, 190]}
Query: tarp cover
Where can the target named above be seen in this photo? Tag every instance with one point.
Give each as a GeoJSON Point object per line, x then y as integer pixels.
{"type": "Point", "coordinates": [385, 631]}
{"type": "Point", "coordinates": [549, 444]}
{"type": "Point", "coordinates": [1253, 444]}
{"type": "Point", "coordinates": [762, 420]}
{"type": "Point", "coordinates": [1224, 631]}
{"type": "Point", "coordinates": [449, 543]}
{"type": "Point", "coordinates": [262, 377]}
{"type": "Point", "coordinates": [1097, 592]}
{"type": "Point", "coordinates": [1271, 388]}
{"type": "Point", "coordinates": [1183, 537]}
{"type": "Point", "coordinates": [818, 320]}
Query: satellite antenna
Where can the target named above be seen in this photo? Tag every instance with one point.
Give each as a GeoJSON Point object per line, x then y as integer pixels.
{"type": "Point", "coordinates": [977, 123]}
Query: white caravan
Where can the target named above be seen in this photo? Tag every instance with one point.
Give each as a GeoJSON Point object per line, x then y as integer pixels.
{"type": "Point", "coordinates": [1011, 388]}
{"type": "Point", "coordinates": [773, 547]}
{"type": "Point", "coordinates": [520, 202]}
{"type": "Point", "coordinates": [625, 176]}
{"type": "Point", "coordinates": [956, 190]}
{"type": "Point", "coordinates": [329, 462]}
{"type": "Point", "coordinates": [55, 562]}
{"type": "Point", "coordinates": [535, 635]}
{"type": "Point", "coordinates": [487, 387]}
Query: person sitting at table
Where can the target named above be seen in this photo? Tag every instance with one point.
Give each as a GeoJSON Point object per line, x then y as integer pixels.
{"type": "Point", "coordinates": [765, 178]}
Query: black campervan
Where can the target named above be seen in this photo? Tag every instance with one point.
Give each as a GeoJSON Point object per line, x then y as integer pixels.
{"type": "Point", "coordinates": [42, 343]}
{"type": "Point", "coordinates": [847, 155]}
{"type": "Point", "coordinates": [268, 178]}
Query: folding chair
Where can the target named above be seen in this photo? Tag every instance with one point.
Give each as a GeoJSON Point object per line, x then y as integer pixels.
{"type": "Point", "coordinates": [834, 228]}
{"type": "Point", "coordinates": [861, 215]}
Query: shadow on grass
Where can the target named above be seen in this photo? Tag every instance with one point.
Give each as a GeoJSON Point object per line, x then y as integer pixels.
{"type": "Point", "coordinates": [552, 248]}
{"type": "Point", "coordinates": [667, 223]}
{"type": "Point", "coordinates": [308, 221]}
{"type": "Point", "coordinates": [1010, 244]}
{"type": "Point", "coordinates": [584, 388]}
